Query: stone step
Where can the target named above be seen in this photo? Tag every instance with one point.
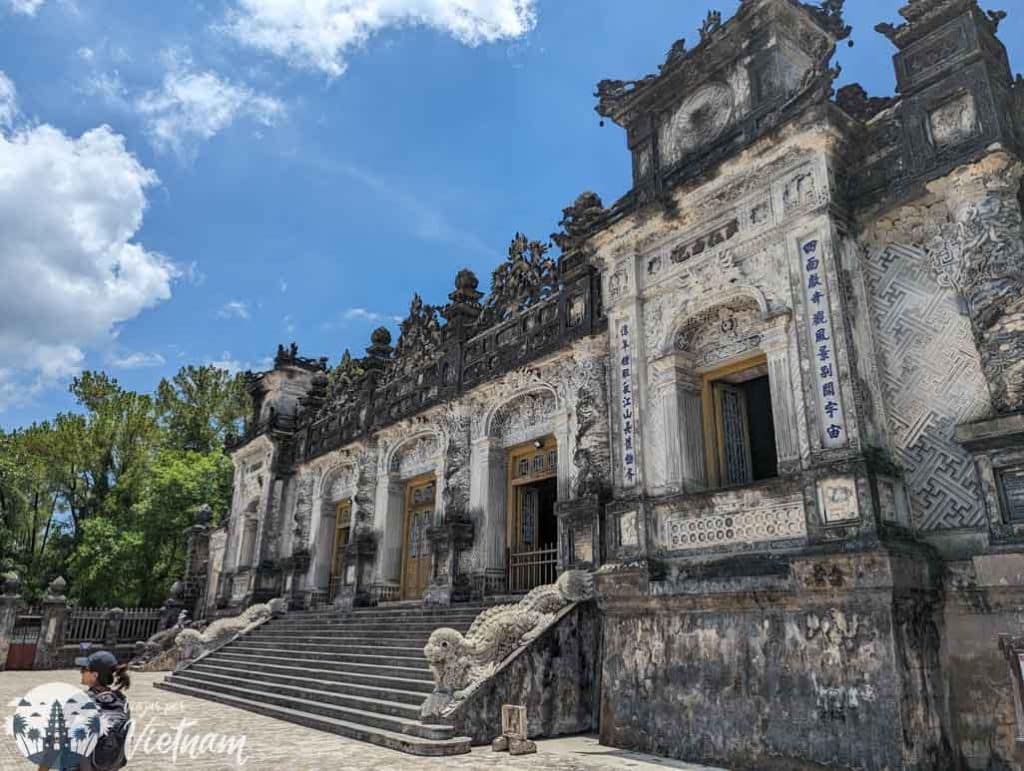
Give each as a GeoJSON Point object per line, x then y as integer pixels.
{"type": "Point", "coordinates": [422, 685]}
{"type": "Point", "coordinates": [257, 692]}
{"type": "Point", "coordinates": [376, 629]}
{"type": "Point", "coordinates": [259, 657]}
{"type": "Point", "coordinates": [322, 693]}
{"type": "Point", "coordinates": [391, 739]}
{"type": "Point", "coordinates": [333, 645]}
{"type": "Point", "coordinates": [411, 657]}
{"type": "Point", "coordinates": [345, 638]}
{"type": "Point", "coordinates": [328, 681]}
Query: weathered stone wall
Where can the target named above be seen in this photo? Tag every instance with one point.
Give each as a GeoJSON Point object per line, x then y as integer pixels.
{"type": "Point", "coordinates": [984, 601]}
{"type": "Point", "coordinates": [814, 663]}
{"type": "Point", "coordinates": [555, 677]}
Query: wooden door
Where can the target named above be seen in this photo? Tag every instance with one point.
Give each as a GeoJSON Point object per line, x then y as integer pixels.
{"type": "Point", "coordinates": [342, 528]}
{"type": "Point", "coordinates": [419, 515]}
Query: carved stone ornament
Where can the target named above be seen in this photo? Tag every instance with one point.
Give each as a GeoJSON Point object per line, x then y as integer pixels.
{"type": "Point", "coordinates": [578, 220]}
{"type": "Point", "coordinates": [459, 662]}
{"type": "Point", "coordinates": [523, 280]}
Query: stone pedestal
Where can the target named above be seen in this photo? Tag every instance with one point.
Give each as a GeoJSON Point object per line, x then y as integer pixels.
{"type": "Point", "coordinates": [51, 632]}
{"type": "Point", "coordinates": [9, 603]}
{"type": "Point", "coordinates": [448, 540]}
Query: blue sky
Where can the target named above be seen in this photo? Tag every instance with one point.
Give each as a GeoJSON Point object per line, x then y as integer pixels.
{"type": "Point", "coordinates": [265, 177]}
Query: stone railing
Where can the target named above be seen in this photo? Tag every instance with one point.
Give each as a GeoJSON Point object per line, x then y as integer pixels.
{"type": "Point", "coordinates": [461, 663]}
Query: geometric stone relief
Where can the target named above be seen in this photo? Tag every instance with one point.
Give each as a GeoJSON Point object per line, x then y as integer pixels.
{"type": "Point", "coordinates": [737, 522]}
{"type": "Point", "coordinates": [932, 381]}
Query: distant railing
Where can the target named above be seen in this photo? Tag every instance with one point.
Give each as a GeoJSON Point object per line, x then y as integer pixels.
{"type": "Point", "coordinates": [530, 569]}
{"type": "Point", "coordinates": [384, 593]}
{"type": "Point", "coordinates": [490, 583]}
{"type": "Point", "coordinates": [85, 625]}
{"type": "Point", "coordinates": [91, 625]}
{"type": "Point", "coordinates": [139, 624]}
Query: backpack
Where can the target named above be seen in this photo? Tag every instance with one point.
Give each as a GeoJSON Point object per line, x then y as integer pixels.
{"type": "Point", "coordinates": [109, 753]}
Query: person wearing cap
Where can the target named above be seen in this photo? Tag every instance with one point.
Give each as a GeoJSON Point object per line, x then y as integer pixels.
{"type": "Point", "coordinates": [106, 681]}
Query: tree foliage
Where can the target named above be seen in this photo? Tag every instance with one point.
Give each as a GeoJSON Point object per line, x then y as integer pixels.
{"type": "Point", "coordinates": [103, 495]}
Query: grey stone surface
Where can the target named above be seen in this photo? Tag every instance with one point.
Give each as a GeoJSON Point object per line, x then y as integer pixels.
{"type": "Point", "coordinates": [554, 677]}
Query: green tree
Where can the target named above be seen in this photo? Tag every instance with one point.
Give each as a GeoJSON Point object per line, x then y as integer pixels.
{"type": "Point", "coordinates": [200, 405]}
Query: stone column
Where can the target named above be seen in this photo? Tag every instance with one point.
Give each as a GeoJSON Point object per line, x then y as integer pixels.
{"type": "Point", "coordinates": [678, 435]}
{"type": "Point", "coordinates": [980, 255]}
{"type": "Point", "coordinates": [9, 603]}
{"type": "Point", "coordinates": [51, 631]}
{"type": "Point", "coordinates": [487, 497]}
{"type": "Point", "coordinates": [775, 344]}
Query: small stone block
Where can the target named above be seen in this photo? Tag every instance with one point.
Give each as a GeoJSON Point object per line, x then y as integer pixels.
{"type": "Point", "coordinates": [521, 747]}
{"type": "Point", "coordinates": [500, 744]}
{"type": "Point", "coordinates": [513, 721]}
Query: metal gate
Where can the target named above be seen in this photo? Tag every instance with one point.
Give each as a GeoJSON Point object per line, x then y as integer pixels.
{"type": "Point", "coordinates": [22, 653]}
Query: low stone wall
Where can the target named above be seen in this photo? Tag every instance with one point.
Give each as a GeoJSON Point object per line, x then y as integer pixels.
{"type": "Point", "coordinates": [808, 663]}
{"type": "Point", "coordinates": [554, 676]}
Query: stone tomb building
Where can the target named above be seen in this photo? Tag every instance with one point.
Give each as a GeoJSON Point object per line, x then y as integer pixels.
{"type": "Point", "coordinates": [772, 397]}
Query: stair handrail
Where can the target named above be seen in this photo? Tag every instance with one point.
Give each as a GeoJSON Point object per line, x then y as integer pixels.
{"type": "Point", "coordinates": [462, 663]}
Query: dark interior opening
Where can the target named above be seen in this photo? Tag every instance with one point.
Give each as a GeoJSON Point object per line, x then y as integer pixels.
{"type": "Point", "coordinates": [547, 523]}
{"type": "Point", "coordinates": [761, 424]}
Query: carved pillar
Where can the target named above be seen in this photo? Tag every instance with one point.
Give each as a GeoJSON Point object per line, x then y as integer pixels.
{"type": "Point", "coordinates": [981, 256]}
{"type": "Point", "coordinates": [390, 515]}
{"type": "Point", "coordinates": [775, 343]}
{"type": "Point", "coordinates": [679, 432]}
{"type": "Point", "coordinates": [9, 602]}
{"type": "Point", "coordinates": [51, 629]}
{"type": "Point", "coordinates": [566, 451]}
{"type": "Point", "coordinates": [487, 491]}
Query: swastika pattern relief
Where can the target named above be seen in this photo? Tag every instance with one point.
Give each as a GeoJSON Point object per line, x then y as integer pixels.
{"type": "Point", "coordinates": [932, 380]}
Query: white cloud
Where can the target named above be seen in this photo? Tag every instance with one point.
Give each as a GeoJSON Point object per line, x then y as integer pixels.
{"type": "Point", "coordinates": [26, 7]}
{"type": "Point", "coordinates": [194, 106]}
{"type": "Point", "coordinates": [284, 286]}
{"type": "Point", "coordinates": [8, 102]}
{"type": "Point", "coordinates": [69, 211]}
{"type": "Point", "coordinates": [318, 34]}
{"type": "Point", "coordinates": [137, 360]}
{"type": "Point", "coordinates": [234, 309]}
{"type": "Point", "coordinates": [363, 314]}
{"type": "Point", "coordinates": [289, 324]}
{"type": "Point", "coordinates": [193, 274]}
{"type": "Point", "coordinates": [109, 88]}
{"type": "Point", "coordinates": [228, 363]}
{"type": "Point", "coordinates": [231, 365]}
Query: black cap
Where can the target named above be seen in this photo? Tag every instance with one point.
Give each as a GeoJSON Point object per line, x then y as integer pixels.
{"type": "Point", "coordinates": [100, 662]}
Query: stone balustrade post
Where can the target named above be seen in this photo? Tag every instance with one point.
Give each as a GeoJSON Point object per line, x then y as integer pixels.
{"type": "Point", "coordinates": [172, 606]}
{"type": "Point", "coordinates": [112, 630]}
{"type": "Point", "coordinates": [9, 603]}
{"type": "Point", "coordinates": [51, 630]}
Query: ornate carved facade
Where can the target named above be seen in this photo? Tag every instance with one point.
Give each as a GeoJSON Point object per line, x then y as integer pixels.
{"type": "Point", "coordinates": [771, 398]}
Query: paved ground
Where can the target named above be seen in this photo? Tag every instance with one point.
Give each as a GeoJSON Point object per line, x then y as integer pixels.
{"type": "Point", "coordinates": [270, 744]}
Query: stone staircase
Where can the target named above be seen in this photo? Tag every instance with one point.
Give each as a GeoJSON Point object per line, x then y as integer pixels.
{"type": "Point", "coordinates": [360, 675]}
